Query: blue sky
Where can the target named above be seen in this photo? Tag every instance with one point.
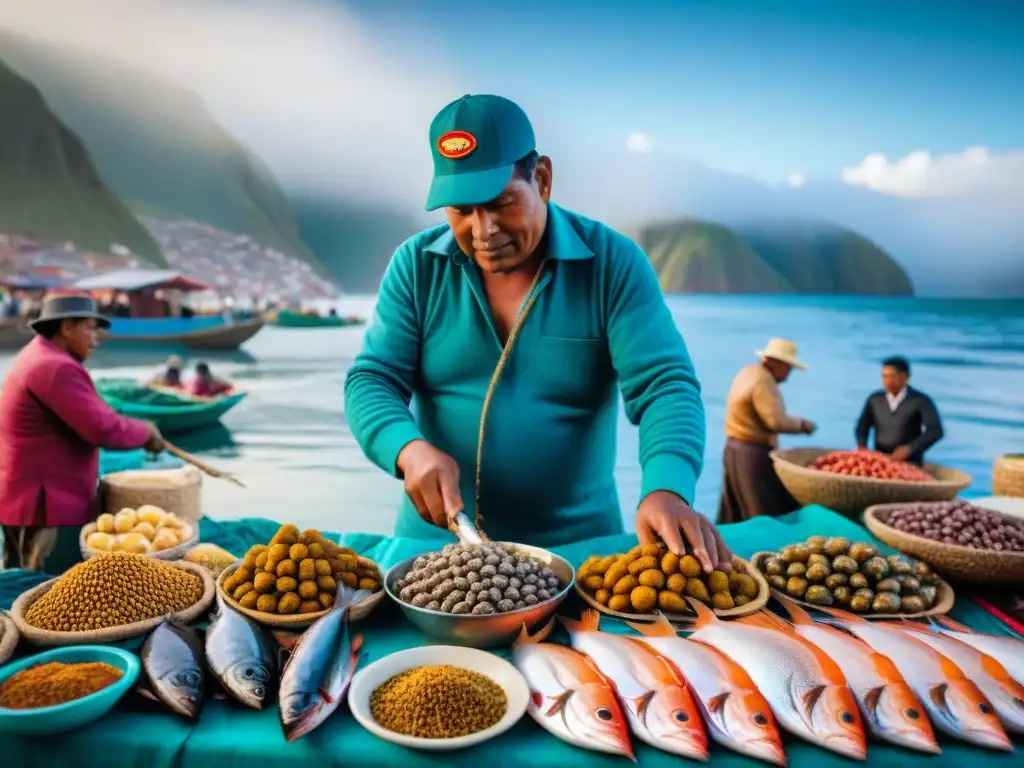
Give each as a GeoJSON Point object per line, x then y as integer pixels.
{"type": "Point", "coordinates": [760, 87]}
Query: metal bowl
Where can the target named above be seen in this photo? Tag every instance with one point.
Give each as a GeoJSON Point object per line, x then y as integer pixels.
{"type": "Point", "coordinates": [492, 630]}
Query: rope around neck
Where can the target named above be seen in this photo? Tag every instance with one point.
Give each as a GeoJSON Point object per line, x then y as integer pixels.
{"type": "Point", "coordinates": [531, 299]}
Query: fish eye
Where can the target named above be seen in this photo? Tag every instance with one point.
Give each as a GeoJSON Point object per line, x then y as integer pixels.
{"type": "Point", "coordinates": [984, 708]}
{"type": "Point", "coordinates": [847, 717]}
{"type": "Point", "coordinates": [604, 714]}
{"type": "Point", "coordinates": [679, 716]}
{"type": "Point", "coordinates": [257, 691]}
{"type": "Point", "coordinates": [760, 719]}
{"type": "Point", "coordinates": [912, 713]}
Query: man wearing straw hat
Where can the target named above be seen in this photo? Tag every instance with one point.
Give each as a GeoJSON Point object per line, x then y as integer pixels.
{"type": "Point", "coordinates": [755, 416]}
{"type": "Point", "coordinates": [52, 425]}
{"type": "Point", "coordinates": [508, 327]}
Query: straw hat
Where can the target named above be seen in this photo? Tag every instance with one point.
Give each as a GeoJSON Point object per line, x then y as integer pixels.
{"type": "Point", "coordinates": [782, 350]}
{"type": "Point", "coordinates": [174, 363]}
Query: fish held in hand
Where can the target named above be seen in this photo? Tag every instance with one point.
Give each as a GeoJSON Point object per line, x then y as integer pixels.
{"type": "Point", "coordinates": [569, 696]}
{"type": "Point", "coordinates": [736, 714]}
{"type": "Point", "coordinates": [240, 656]}
{"type": "Point", "coordinates": [955, 704]}
{"type": "Point", "coordinates": [1004, 693]}
{"type": "Point", "coordinates": [1008, 651]}
{"type": "Point", "coordinates": [173, 666]}
{"type": "Point", "coordinates": [887, 703]}
{"type": "Point", "coordinates": [658, 702]}
{"type": "Point", "coordinates": [320, 668]}
{"type": "Point", "coordinates": [807, 691]}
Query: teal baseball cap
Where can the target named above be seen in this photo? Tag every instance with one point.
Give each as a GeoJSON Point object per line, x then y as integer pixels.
{"type": "Point", "coordinates": [475, 142]}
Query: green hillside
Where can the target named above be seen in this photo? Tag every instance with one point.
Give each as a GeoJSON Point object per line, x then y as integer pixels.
{"type": "Point", "coordinates": [824, 258]}
{"type": "Point", "coordinates": [49, 187]}
{"type": "Point", "coordinates": [155, 143]}
{"type": "Point", "coordinates": [692, 256]}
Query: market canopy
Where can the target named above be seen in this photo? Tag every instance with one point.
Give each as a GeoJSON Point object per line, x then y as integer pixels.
{"type": "Point", "coordinates": [129, 280]}
{"type": "Point", "coordinates": [31, 282]}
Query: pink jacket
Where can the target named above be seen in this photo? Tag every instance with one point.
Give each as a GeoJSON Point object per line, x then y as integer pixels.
{"type": "Point", "coordinates": [52, 425]}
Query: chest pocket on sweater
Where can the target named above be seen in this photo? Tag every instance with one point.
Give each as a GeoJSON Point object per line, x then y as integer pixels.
{"type": "Point", "coordinates": [570, 371]}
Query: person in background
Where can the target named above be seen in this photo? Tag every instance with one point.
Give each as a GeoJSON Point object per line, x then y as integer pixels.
{"type": "Point", "coordinates": [52, 426]}
{"type": "Point", "coordinates": [573, 311]}
{"type": "Point", "coordinates": [205, 384]}
{"type": "Point", "coordinates": [755, 415]}
{"type": "Point", "coordinates": [905, 421]}
{"type": "Point", "coordinates": [170, 376]}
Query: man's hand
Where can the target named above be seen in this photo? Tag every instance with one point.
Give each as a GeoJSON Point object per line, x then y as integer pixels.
{"type": "Point", "coordinates": [902, 453]}
{"type": "Point", "coordinates": [431, 481]}
{"type": "Point", "coordinates": [809, 427]}
{"type": "Point", "coordinates": [155, 443]}
{"type": "Point", "coordinates": [663, 514]}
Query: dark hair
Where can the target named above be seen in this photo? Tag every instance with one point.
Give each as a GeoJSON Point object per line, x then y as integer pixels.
{"type": "Point", "coordinates": [202, 369]}
{"type": "Point", "coordinates": [899, 363]}
{"type": "Point", "coordinates": [526, 166]}
{"type": "Point", "coordinates": [48, 329]}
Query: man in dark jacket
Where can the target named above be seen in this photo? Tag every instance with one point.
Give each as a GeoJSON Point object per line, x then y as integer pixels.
{"type": "Point", "coordinates": [906, 422]}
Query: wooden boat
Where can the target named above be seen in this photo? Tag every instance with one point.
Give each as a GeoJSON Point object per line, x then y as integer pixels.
{"type": "Point", "coordinates": [172, 411]}
{"type": "Point", "coordinates": [288, 319]}
{"type": "Point", "coordinates": [192, 332]}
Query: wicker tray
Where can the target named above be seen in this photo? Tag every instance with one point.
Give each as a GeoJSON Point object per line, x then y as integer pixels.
{"type": "Point", "coordinates": [943, 604]}
{"type": "Point", "coordinates": [852, 495]}
{"type": "Point", "coordinates": [9, 636]}
{"type": "Point", "coordinates": [174, 553]}
{"type": "Point", "coordinates": [1008, 475]}
{"type": "Point", "coordinates": [739, 565]}
{"type": "Point", "coordinates": [975, 566]}
{"type": "Point", "coordinates": [294, 621]}
{"type": "Point", "coordinates": [46, 638]}
{"type": "Point", "coordinates": [173, 490]}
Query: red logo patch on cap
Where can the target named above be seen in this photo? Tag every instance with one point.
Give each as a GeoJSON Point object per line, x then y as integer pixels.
{"type": "Point", "coordinates": [456, 144]}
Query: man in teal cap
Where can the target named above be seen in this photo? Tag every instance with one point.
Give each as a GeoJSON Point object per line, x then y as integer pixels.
{"type": "Point", "coordinates": [507, 330]}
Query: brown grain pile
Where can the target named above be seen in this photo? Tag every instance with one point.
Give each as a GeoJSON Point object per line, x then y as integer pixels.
{"type": "Point", "coordinates": [113, 589]}
{"type": "Point", "coordinates": [48, 685]}
{"type": "Point", "coordinates": [438, 702]}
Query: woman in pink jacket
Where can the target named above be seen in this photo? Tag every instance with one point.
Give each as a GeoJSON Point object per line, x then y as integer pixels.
{"type": "Point", "coordinates": [52, 425]}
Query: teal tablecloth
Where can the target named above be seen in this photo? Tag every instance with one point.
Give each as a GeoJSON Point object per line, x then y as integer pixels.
{"type": "Point", "coordinates": [136, 735]}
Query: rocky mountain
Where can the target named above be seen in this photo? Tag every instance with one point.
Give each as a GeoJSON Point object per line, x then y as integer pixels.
{"type": "Point", "coordinates": [49, 186]}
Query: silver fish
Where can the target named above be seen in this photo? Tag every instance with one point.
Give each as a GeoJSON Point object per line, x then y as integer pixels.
{"type": "Point", "coordinates": [173, 667]}
{"type": "Point", "coordinates": [320, 668]}
{"type": "Point", "coordinates": [240, 656]}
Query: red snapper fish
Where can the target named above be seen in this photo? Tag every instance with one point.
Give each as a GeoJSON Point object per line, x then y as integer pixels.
{"type": "Point", "coordinates": [659, 706]}
{"type": "Point", "coordinates": [887, 703]}
{"type": "Point", "coordinates": [1004, 693]}
{"type": "Point", "coordinates": [806, 689]}
{"type": "Point", "coordinates": [1008, 651]}
{"type": "Point", "coordinates": [955, 704]}
{"type": "Point", "coordinates": [737, 715]}
{"type": "Point", "coordinates": [569, 697]}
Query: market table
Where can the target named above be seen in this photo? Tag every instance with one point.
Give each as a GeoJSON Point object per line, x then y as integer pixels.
{"type": "Point", "coordinates": [137, 734]}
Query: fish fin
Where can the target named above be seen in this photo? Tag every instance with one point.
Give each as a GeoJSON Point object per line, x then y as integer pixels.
{"type": "Point", "coordinates": [705, 615]}
{"type": "Point", "coordinates": [558, 703]}
{"type": "Point", "coordinates": [537, 698]}
{"type": "Point", "coordinates": [717, 703]}
{"type": "Point", "coordinates": [797, 615]}
{"type": "Point", "coordinates": [145, 692]}
{"type": "Point", "coordinates": [765, 620]}
{"type": "Point", "coordinates": [525, 638]}
{"type": "Point", "coordinates": [842, 615]}
{"type": "Point", "coordinates": [997, 671]}
{"type": "Point", "coordinates": [220, 695]}
{"type": "Point", "coordinates": [327, 697]}
{"type": "Point", "coordinates": [357, 644]}
{"type": "Point", "coordinates": [590, 620]}
{"type": "Point", "coordinates": [571, 625]}
{"type": "Point", "coordinates": [285, 639]}
{"type": "Point", "coordinates": [937, 694]}
{"type": "Point", "coordinates": [808, 697]}
{"type": "Point", "coordinates": [949, 623]}
{"type": "Point", "coordinates": [643, 702]}
{"type": "Point", "coordinates": [661, 627]}
{"type": "Point", "coordinates": [871, 699]}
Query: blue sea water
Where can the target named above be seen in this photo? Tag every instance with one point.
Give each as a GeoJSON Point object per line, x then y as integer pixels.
{"type": "Point", "coordinates": [289, 442]}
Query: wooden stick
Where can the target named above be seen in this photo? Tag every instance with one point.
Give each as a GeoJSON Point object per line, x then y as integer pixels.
{"type": "Point", "coordinates": [206, 468]}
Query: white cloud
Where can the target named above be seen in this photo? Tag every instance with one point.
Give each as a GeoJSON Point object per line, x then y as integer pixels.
{"type": "Point", "coordinates": [301, 83]}
{"type": "Point", "coordinates": [921, 174]}
{"type": "Point", "coordinates": [796, 180]}
{"type": "Point", "coordinates": [638, 142]}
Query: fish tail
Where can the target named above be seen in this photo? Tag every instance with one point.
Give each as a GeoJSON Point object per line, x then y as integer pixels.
{"type": "Point", "coordinates": [590, 620]}
{"type": "Point", "coordinates": [705, 615]}
{"type": "Point", "coordinates": [661, 627]}
{"type": "Point", "coordinates": [797, 615]}
{"type": "Point", "coordinates": [525, 638]}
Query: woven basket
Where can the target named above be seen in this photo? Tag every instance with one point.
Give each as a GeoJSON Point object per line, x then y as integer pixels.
{"type": "Point", "coordinates": [739, 566]}
{"type": "Point", "coordinates": [46, 638]}
{"type": "Point", "coordinates": [173, 490]}
{"type": "Point", "coordinates": [9, 637]}
{"type": "Point", "coordinates": [1008, 475]}
{"type": "Point", "coordinates": [294, 621]}
{"type": "Point", "coordinates": [852, 495]}
{"type": "Point", "coordinates": [174, 553]}
{"type": "Point", "coordinates": [943, 603]}
{"type": "Point", "coordinates": [974, 566]}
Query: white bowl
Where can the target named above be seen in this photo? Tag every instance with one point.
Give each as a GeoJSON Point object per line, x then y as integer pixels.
{"type": "Point", "coordinates": [500, 671]}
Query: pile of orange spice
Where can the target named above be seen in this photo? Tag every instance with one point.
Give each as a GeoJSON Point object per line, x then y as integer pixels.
{"type": "Point", "coordinates": [55, 683]}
